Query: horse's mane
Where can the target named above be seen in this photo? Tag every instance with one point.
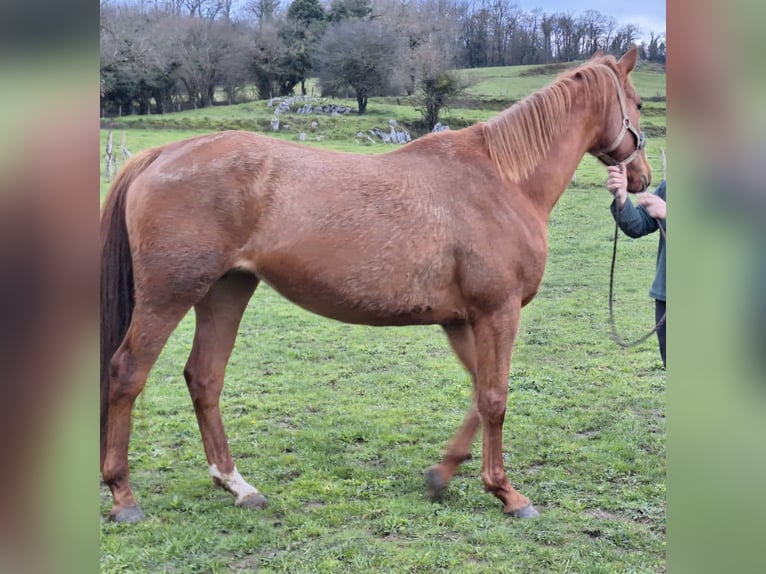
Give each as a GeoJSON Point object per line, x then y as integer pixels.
{"type": "Point", "coordinates": [519, 137]}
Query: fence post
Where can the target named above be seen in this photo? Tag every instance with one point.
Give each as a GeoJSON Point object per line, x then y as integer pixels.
{"type": "Point", "coordinates": [124, 149]}
{"type": "Point", "coordinates": [109, 157]}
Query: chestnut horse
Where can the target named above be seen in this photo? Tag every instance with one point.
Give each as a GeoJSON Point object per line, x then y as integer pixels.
{"type": "Point", "coordinates": [449, 229]}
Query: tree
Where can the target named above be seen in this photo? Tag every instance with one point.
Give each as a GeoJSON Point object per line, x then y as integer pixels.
{"type": "Point", "coordinates": [360, 55]}
{"type": "Point", "coordinates": [474, 37]}
{"type": "Point", "coordinates": [235, 71]}
{"type": "Point", "coordinates": [207, 50]}
{"type": "Point", "coordinates": [264, 11]}
{"type": "Point", "coordinates": [430, 29]}
{"type": "Point", "coordinates": [624, 37]}
{"type": "Point", "coordinates": [547, 25]}
{"type": "Point", "coordinates": [566, 37]}
{"type": "Point", "coordinates": [208, 9]}
{"type": "Point", "coordinates": [593, 25]}
{"type": "Point", "coordinates": [349, 10]}
{"type": "Point", "coordinates": [137, 65]}
{"type": "Point", "coordinates": [302, 32]}
{"type": "Point", "coordinates": [306, 12]}
{"type": "Point", "coordinates": [269, 62]}
{"type": "Point", "coordinates": [656, 48]}
{"type": "Point", "coordinates": [434, 94]}
{"type": "Point", "coordinates": [527, 44]}
{"type": "Point", "coordinates": [435, 83]}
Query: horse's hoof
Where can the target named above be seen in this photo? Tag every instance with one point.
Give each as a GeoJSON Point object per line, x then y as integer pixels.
{"type": "Point", "coordinates": [528, 511]}
{"type": "Point", "coordinates": [435, 483]}
{"type": "Point", "coordinates": [255, 501]}
{"type": "Point", "coordinates": [127, 514]}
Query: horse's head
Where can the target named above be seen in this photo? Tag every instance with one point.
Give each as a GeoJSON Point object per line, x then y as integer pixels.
{"type": "Point", "coordinates": [622, 140]}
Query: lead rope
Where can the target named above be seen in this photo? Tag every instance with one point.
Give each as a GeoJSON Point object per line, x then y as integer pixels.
{"type": "Point", "coordinates": [615, 337]}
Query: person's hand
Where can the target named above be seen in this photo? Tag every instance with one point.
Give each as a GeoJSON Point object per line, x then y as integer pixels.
{"type": "Point", "coordinates": [617, 183]}
{"type": "Point", "coordinates": [653, 204]}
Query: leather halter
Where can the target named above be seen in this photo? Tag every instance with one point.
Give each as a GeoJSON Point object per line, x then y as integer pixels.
{"type": "Point", "coordinates": [626, 126]}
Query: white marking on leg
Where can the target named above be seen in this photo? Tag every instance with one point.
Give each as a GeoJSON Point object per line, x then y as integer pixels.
{"type": "Point", "coordinates": [233, 482]}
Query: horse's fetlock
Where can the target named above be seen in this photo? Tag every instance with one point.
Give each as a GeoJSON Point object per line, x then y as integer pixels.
{"type": "Point", "coordinates": [494, 480]}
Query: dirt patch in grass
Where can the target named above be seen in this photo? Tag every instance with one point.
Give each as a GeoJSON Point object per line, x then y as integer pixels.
{"type": "Point", "coordinates": [600, 514]}
{"type": "Point", "coordinates": [534, 469]}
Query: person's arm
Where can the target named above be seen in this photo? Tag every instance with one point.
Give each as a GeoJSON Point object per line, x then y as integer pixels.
{"type": "Point", "coordinates": [633, 221]}
{"type": "Point", "coordinates": [654, 203]}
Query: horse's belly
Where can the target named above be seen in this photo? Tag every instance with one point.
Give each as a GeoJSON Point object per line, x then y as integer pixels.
{"type": "Point", "coordinates": [370, 300]}
{"type": "Point", "coordinates": [380, 315]}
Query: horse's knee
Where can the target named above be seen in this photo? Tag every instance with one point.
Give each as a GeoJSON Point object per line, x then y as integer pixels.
{"type": "Point", "coordinates": [492, 405]}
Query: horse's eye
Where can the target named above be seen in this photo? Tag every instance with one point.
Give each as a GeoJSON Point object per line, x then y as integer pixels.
{"type": "Point", "coordinates": [640, 105]}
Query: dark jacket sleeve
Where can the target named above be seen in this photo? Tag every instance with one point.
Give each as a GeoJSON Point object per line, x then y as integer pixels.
{"type": "Point", "coordinates": [635, 221]}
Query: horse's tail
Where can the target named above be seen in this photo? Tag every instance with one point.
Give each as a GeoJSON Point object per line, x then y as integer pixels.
{"type": "Point", "coordinates": [117, 296]}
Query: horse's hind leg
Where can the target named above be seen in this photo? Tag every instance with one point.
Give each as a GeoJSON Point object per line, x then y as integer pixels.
{"type": "Point", "coordinates": [459, 448]}
{"type": "Point", "coordinates": [129, 367]}
{"type": "Point", "coordinates": [218, 315]}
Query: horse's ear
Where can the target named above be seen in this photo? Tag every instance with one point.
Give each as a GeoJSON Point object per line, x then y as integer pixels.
{"type": "Point", "coordinates": [597, 54]}
{"type": "Point", "coordinates": [628, 60]}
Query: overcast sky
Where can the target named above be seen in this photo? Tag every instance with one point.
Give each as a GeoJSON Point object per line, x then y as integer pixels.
{"type": "Point", "coordinates": [647, 15]}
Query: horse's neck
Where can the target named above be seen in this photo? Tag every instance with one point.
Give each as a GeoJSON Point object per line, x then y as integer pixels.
{"type": "Point", "coordinates": [556, 171]}
{"type": "Point", "coordinates": [572, 133]}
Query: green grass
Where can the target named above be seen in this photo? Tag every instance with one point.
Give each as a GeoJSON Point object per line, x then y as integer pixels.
{"type": "Point", "coordinates": [507, 82]}
{"type": "Point", "coordinates": [336, 424]}
{"type": "Point", "coordinates": [516, 82]}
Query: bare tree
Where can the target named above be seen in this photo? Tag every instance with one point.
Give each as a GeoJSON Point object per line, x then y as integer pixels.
{"type": "Point", "coordinates": [263, 11]}
{"type": "Point", "coordinates": [430, 30]}
{"type": "Point", "coordinates": [610, 29]}
{"type": "Point", "coordinates": [593, 24]}
{"type": "Point", "coordinates": [136, 64]}
{"type": "Point", "coordinates": [359, 55]}
{"type": "Point", "coordinates": [566, 37]}
{"type": "Point", "coordinates": [269, 53]}
{"type": "Point", "coordinates": [207, 50]}
{"type": "Point", "coordinates": [656, 48]}
{"type": "Point", "coordinates": [208, 9]}
{"type": "Point", "coordinates": [624, 37]}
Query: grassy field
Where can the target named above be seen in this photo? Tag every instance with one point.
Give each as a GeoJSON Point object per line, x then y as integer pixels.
{"type": "Point", "coordinates": [337, 423]}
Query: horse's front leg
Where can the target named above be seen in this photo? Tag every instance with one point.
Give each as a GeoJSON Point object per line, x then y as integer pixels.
{"type": "Point", "coordinates": [495, 334]}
